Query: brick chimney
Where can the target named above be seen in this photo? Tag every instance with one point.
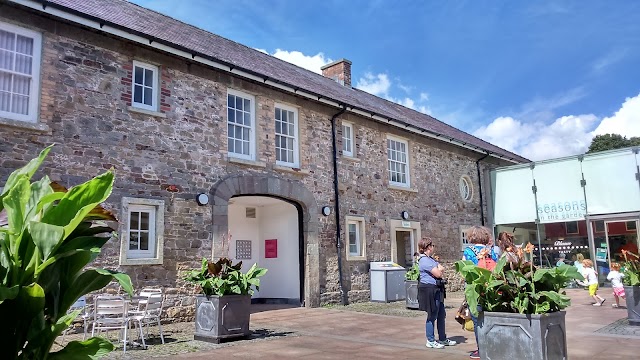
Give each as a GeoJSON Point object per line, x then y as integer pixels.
{"type": "Point", "coordinates": [339, 71]}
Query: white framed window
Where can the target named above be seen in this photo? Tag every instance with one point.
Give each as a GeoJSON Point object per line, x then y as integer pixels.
{"type": "Point", "coordinates": [466, 188]}
{"type": "Point", "coordinates": [145, 86]}
{"type": "Point", "coordinates": [347, 139]}
{"type": "Point", "coordinates": [398, 159]}
{"type": "Point", "coordinates": [356, 239]}
{"type": "Point", "coordinates": [464, 242]}
{"type": "Point", "coordinates": [20, 52]}
{"type": "Point", "coordinates": [142, 233]}
{"type": "Point", "coordinates": [240, 125]}
{"type": "Point", "coordinates": [286, 118]}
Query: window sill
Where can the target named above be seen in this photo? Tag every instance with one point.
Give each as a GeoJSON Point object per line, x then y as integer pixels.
{"type": "Point", "coordinates": [291, 169]}
{"type": "Point", "coordinates": [146, 112]}
{"type": "Point", "coordinates": [236, 160]}
{"type": "Point", "coordinates": [356, 258]}
{"type": "Point", "coordinates": [350, 158]}
{"type": "Point", "coordinates": [156, 261]}
{"type": "Point", "coordinates": [402, 188]}
{"type": "Point", "coordinates": [25, 125]}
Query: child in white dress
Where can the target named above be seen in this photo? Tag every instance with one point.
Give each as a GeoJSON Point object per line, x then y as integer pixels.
{"type": "Point", "coordinates": [616, 283]}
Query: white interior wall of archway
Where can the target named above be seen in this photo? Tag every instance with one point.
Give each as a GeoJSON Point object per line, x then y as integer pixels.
{"type": "Point", "coordinates": [275, 219]}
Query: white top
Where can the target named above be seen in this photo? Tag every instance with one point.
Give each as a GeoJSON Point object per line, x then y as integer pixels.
{"type": "Point", "coordinates": [590, 276]}
{"type": "Point", "coordinates": [616, 278]}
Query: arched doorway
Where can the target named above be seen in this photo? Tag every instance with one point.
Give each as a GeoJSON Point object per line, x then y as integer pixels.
{"type": "Point", "coordinates": [295, 192]}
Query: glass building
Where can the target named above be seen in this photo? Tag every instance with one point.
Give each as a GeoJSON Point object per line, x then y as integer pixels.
{"type": "Point", "coordinates": [587, 204]}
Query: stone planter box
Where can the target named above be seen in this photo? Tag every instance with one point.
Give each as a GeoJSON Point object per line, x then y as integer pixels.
{"type": "Point", "coordinates": [411, 287]}
{"type": "Point", "coordinates": [222, 317]}
{"type": "Point", "coordinates": [524, 337]}
{"type": "Point", "coordinates": [633, 304]}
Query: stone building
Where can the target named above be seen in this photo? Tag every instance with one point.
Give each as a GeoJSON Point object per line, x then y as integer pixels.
{"type": "Point", "coordinates": [180, 113]}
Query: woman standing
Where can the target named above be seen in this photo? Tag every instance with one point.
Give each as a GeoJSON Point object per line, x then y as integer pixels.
{"type": "Point", "coordinates": [431, 295]}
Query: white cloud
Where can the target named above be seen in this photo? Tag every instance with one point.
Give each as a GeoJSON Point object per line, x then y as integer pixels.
{"type": "Point", "coordinates": [608, 59]}
{"type": "Point", "coordinates": [567, 135]}
{"type": "Point", "coordinates": [375, 84]}
{"type": "Point", "coordinates": [625, 121]}
{"type": "Point", "coordinates": [311, 63]}
{"type": "Point", "coordinates": [380, 85]}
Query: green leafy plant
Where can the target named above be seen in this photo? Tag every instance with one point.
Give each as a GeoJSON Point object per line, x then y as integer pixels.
{"type": "Point", "coordinates": [413, 273]}
{"type": "Point", "coordinates": [517, 286]}
{"type": "Point", "coordinates": [631, 269]}
{"type": "Point", "coordinates": [224, 278]}
{"type": "Point", "coordinates": [46, 241]}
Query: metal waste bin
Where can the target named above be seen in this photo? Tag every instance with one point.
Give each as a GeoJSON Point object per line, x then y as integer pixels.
{"type": "Point", "coordinates": [387, 281]}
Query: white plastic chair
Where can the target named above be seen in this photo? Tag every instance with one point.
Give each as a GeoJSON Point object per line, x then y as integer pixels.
{"type": "Point", "coordinates": [150, 315]}
{"type": "Point", "coordinates": [85, 315]}
{"type": "Point", "coordinates": [110, 313]}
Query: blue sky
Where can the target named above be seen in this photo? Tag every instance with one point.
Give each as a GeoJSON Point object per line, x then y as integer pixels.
{"type": "Point", "coordinates": [537, 78]}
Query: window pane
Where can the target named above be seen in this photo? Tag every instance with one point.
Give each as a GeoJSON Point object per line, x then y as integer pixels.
{"type": "Point", "coordinates": [245, 134]}
{"type": "Point", "coordinates": [238, 103]}
{"type": "Point", "coordinates": [7, 40]}
{"type": "Point", "coordinates": [353, 248]}
{"type": "Point", "coordinates": [239, 147]}
{"type": "Point", "coordinates": [231, 101]}
{"type": "Point", "coordinates": [144, 241]}
{"type": "Point", "coordinates": [148, 77]}
{"type": "Point", "coordinates": [277, 114]}
{"type": "Point", "coordinates": [290, 143]}
{"type": "Point", "coordinates": [4, 101]}
{"type": "Point", "coordinates": [290, 156]}
{"type": "Point", "coordinates": [231, 114]}
{"type": "Point", "coordinates": [278, 127]}
{"type": "Point", "coordinates": [134, 222]}
{"type": "Point", "coordinates": [6, 60]}
{"type": "Point", "coordinates": [285, 116]}
{"type": "Point", "coordinates": [245, 149]}
{"type": "Point", "coordinates": [247, 119]}
{"type": "Point", "coordinates": [230, 132]}
{"type": "Point", "coordinates": [20, 104]}
{"type": "Point", "coordinates": [133, 240]}
{"type": "Point", "coordinates": [137, 94]}
{"type": "Point", "coordinates": [23, 64]}
{"type": "Point", "coordinates": [21, 85]}
{"type": "Point", "coordinates": [137, 75]}
{"type": "Point", "coordinates": [247, 105]}
{"type": "Point", "coordinates": [148, 96]}
{"type": "Point", "coordinates": [5, 82]}
{"type": "Point", "coordinates": [230, 147]}
{"type": "Point", "coordinates": [24, 45]}
{"type": "Point", "coordinates": [144, 221]}
{"type": "Point", "coordinates": [291, 130]}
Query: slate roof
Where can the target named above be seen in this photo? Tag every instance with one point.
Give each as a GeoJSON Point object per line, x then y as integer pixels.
{"type": "Point", "coordinates": [164, 29]}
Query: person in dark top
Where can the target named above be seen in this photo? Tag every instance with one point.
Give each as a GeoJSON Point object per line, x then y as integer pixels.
{"type": "Point", "coordinates": [431, 295]}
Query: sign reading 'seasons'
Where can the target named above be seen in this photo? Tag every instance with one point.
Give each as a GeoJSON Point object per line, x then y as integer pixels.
{"type": "Point", "coordinates": [562, 211]}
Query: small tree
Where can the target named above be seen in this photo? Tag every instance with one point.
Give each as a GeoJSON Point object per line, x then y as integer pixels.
{"type": "Point", "coordinates": [611, 142]}
{"type": "Point", "coordinates": [46, 241]}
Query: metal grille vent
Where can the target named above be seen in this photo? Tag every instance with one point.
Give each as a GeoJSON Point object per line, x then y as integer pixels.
{"type": "Point", "coordinates": [251, 212]}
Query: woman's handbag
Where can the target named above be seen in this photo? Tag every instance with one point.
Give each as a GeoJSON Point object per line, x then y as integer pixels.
{"type": "Point", "coordinates": [463, 314]}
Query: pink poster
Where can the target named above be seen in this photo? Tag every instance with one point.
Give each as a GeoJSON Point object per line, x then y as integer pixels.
{"type": "Point", "coordinates": [271, 248]}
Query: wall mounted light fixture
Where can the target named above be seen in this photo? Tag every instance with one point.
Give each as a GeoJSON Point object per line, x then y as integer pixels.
{"type": "Point", "coordinates": [326, 211]}
{"type": "Point", "coordinates": [202, 199]}
{"type": "Point", "coordinates": [405, 215]}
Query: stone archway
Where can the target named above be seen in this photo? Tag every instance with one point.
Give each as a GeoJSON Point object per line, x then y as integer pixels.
{"type": "Point", "coordinates": [290, 190]}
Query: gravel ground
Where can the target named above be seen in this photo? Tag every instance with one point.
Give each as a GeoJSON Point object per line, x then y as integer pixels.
{"type": "Point", "coordinates": [178, 339]}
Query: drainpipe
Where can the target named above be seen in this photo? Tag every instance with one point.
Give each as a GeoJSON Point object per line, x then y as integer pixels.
{"type": "Point", "coordinates": [480, 187]}
{"type": "Point", "coordinates": [343, 294]}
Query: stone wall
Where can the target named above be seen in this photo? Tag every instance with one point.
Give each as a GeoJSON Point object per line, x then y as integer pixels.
{"type": "Point", "coordinates": [85, 110]}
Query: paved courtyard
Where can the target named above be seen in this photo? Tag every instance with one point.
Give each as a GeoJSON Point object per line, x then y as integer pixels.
{"type": "Point", "coordinates": [335, 333]}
